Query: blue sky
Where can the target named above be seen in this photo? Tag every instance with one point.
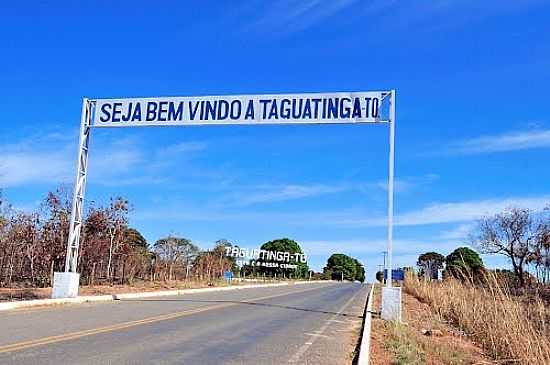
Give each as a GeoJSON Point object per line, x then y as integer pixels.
{"type": "Point", "coordinates": [473, 126]}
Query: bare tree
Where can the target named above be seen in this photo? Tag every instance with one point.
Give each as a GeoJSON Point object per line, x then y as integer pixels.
{"type": "Point", "coordinates": [175, 252]}
{"type": "Point", "coordinates": [116, 227]}
{"type": "Point", "coordinates": [513, 233]}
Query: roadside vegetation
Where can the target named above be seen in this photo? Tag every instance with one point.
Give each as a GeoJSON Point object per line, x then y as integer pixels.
{"type": "Point", "coordinates": [506, 312]}
{"type": "Point", "coordinates": [511, 329]}
{"type": "Point", "coordinates": [33, 247]}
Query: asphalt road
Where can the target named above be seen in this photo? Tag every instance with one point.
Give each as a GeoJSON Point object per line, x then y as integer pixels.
{"type": "Point", "coordinates": [300, 324]}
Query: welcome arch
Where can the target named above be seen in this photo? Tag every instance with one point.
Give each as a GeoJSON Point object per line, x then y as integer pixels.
{"type": "Point", "coordinates": [312, 108]}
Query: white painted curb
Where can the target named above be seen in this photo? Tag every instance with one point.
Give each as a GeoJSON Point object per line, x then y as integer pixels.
{"type": "Point", "coordinates": [364, 348]}
{"type": "Point", "coordinates": [105, 298]}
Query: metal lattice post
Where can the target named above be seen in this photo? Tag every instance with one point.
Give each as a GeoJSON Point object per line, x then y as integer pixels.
{"type": "Point", "coordinates": [390, 189]}
{"type": "Point", "coordinates": [75, 228]}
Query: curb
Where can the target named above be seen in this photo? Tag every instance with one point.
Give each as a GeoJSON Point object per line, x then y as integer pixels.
{"type": "Point", "coordinates": [150, 294]}
{"type": "Point", "coordinates": [364, 347]}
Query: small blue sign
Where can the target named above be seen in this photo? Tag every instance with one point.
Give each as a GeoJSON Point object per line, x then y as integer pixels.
{"type": "Point", "coordinates": [396, 274]}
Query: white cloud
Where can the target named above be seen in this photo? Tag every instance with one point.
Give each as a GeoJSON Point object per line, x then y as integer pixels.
{"type": "Point", "coordinates": [34, 160]}
{"type": "Point", "coordinates": [270, 194]}
{"type": "Point", "coordinates": [368, 246]}
{"type": "Point", "coordinates": [290, 16]}
{"type": "Point", "coordinates": [468, 210]}
{"type": "Point", "coordinates": [436, 15]}
{"type": "Point", "coordinates": [51, 159]}
{"type": "Point", "coordinates": [436, 213]}
{"type": "Point", "coordinates": [407, 184]}
{"type": "Point", "coordinates": [179, 149]}
{"type": "Point", "coordinates": [513, 141]}
{"type": "Point", "coordinates": [22, 168]}
{"type": "Point", "coordinates": [450, 212]}
{"type": "Point", "coordinates": [260, 194]}
{"type": "Point", "coordinates": [460, 232]}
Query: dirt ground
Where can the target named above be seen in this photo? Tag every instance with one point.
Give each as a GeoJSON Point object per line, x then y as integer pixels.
{"type": "Point", "coordinates": [422, 339]}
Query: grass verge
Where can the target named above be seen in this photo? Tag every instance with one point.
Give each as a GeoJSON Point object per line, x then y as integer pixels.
{"type": "Point", "coordinates": [512, 330]}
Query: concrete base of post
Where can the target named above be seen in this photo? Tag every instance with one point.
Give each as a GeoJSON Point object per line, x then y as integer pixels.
{"type": "Point", "coordinates": [391, 304]}
{"type": "Point", "coordinates": [65, 285]}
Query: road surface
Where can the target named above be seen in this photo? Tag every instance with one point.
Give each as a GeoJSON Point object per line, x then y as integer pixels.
{"type": "Point", "coordinates": [300, 324]}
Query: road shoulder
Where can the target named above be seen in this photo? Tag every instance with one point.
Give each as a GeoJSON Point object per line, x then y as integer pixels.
{"type": "Point", "coordinates": [132, 295]}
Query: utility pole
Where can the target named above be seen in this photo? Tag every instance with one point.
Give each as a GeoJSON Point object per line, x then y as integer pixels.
{"type": "Point", "coordinates": [342, 276]}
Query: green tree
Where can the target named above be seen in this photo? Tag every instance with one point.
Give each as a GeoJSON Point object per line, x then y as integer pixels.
{"type": "Point", "coordinates": [429, 263]}
{"type": "Point", "coordinates": [343, 266]}
{"type": "Point", "coordinates": [284, 245]}
{"type": "Point", "coordinates": [327, 274]}
{"type": "Point", "coordinates": [380, 276]}
{"type": "Point", "coordinates": [464, 261]}
{"type": "Point", "coordinates": [135, 239]}
{"type": "Point", "coordinates": [359, 271]}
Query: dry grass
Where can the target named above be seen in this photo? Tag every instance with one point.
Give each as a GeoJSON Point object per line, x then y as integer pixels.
{"type": "Point", "coordinates": [402, 343]}
{"type": "Point", "coordinates": [511, 329]}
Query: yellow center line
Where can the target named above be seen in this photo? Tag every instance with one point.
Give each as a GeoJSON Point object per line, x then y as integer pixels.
{"type": "Point", "coordinates": [79, 334]}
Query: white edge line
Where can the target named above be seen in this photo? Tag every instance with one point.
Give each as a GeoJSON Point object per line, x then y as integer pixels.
{"type": "Point", "coordinates": [364, 348]}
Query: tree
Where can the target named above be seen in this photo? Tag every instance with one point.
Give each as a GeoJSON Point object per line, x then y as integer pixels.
{"type": "Point", "coordinates": [359, 271]}
{"type": "Point", "coordinates": [340, 266]}
{"type": "Point", "coordinates": [464, 261]}
{"type": "Point", "coordinates": [213, 263]}
{"type": "Point", "coordinates": [117, 225]}
{"type": "Point", "coordinates": [284, 245]}
{"type": "Point", "coordinates": [514, 233]}
{"type": "Point", "coordinates": [134, 238]}
{"type": "Point", "coordinates": [539, 256]}
{"type": "Point", "coordinates": [55, 211]}
{"type": "Point", "coordinates": [220, 250]}
{"type": "Point", "coordinates": [429, 263]}
{"type": "Point", "coordinates": [175, 251]}
{"type": "Point", "coordinates": [380, 276]}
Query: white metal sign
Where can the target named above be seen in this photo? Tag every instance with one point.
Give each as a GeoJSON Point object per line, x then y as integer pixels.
{"type": "Point", "coordinates": [351, 107]}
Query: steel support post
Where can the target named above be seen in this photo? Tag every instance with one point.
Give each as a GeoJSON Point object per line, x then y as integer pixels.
{"type": "Point", "coordinates": [391, 297]}
{"type": "Point", "coordinates": [389, 266]}
{"type": "Point", "coordinates": [75, 228]}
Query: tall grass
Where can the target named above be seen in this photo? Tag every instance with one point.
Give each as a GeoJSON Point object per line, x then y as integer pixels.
{"type": "Point", "coordinates": [512, 329]}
